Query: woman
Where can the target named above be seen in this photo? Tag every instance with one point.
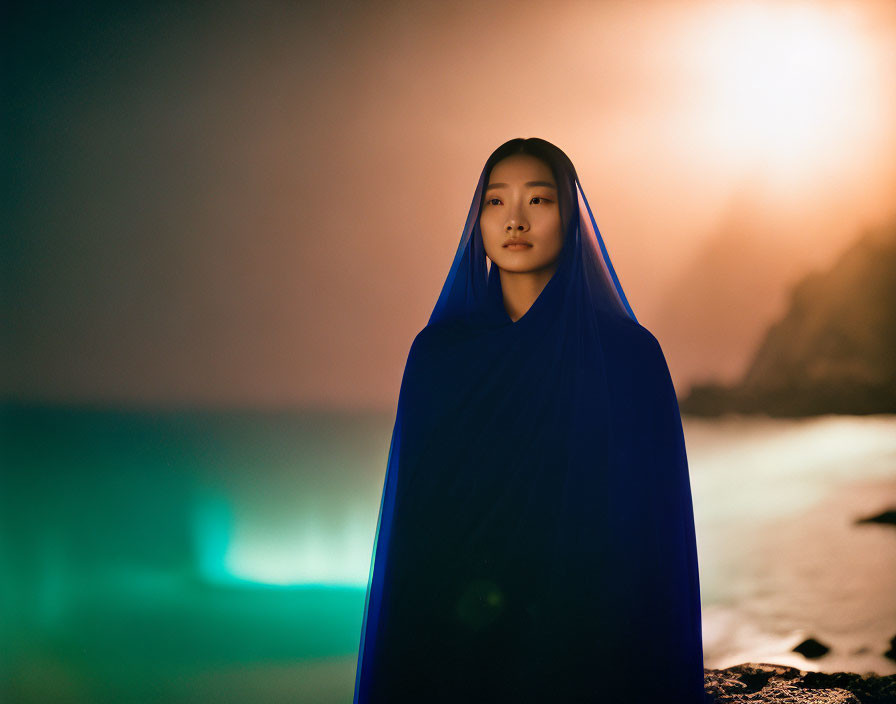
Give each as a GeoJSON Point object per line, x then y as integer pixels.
{"type": "Point", "coordinates": [536, 536]}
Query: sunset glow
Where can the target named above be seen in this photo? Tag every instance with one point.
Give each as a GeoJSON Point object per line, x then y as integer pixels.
{"type": "Point", "coordinates": [790, 90]}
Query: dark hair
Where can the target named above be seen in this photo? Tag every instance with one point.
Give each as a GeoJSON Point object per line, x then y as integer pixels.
{"type": "Point", "coordinates": [561, 167]}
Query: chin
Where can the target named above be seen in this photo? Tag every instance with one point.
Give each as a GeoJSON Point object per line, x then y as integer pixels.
{"type": "Point", "coordinates": [517, 266]}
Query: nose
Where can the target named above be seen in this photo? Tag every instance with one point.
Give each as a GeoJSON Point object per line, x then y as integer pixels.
{"type": "Point", "coordinates": [516, 223]}
{"type": "Point", "coordinates": [516, 218]}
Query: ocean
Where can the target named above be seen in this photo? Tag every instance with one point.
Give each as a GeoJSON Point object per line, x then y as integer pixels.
{"type": "Point", "coordinates": [199, 555]}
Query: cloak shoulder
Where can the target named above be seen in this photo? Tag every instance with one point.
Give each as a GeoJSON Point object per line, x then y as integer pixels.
{"type": "Point", "coordinates": [634, 351]}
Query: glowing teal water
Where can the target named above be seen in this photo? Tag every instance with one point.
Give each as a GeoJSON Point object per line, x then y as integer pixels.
{"type": "Point", "coordinates": [199, 556]}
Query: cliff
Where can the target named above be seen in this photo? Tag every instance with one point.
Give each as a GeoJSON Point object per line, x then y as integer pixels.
{"type": "Point", "coordinates": [834, 350]}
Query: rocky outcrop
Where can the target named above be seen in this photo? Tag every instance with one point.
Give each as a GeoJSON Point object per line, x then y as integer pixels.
{"type": "Point", "coordinates": [834, 351]}
{"type": "Point", "coordinates": [887, 517]}
{"type": "Point", "coordinates": [762, 682]}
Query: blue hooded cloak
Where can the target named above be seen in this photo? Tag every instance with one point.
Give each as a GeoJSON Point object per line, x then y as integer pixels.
{"type": "Point", "coordinates": [535, 539]}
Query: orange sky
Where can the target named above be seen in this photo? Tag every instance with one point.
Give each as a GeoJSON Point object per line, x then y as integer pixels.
{"type": "Point", "coordinates": [259, 206]}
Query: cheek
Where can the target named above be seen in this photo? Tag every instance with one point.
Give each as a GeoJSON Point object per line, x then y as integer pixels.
{"type": "Point", "coordinates": [557, 239]}
{"type": "Point", "coordinates": [489, 226]}
{"type": "Point", "coordinates": [552, 227]}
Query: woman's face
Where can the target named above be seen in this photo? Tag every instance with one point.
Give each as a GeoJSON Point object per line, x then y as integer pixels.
{"type": "Point", "coordinates": [520, 205]}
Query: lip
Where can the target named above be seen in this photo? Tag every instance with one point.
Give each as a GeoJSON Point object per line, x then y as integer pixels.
{"type": "Point", "coordinates": [517, 244]}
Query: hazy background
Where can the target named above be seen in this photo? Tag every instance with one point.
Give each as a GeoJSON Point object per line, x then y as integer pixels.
{"type": "Point", "coordinates": [257, 203]}
{"type": "Point", "coordinates": [224, 223]}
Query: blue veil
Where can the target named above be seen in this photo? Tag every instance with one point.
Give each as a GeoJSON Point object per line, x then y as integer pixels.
{"type": "Point", "coordinates": [535, 538]}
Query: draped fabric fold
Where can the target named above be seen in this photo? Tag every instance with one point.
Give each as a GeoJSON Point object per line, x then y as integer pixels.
{"type": "Point", "coordinates": [535, 537]}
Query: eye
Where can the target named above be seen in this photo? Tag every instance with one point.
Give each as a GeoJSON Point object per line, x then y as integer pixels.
{"type": "Point", "coordinates": [541, 199]}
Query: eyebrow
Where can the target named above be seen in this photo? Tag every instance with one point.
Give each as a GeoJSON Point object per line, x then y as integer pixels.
{"type": "Point", "coordinates": [547, 184]}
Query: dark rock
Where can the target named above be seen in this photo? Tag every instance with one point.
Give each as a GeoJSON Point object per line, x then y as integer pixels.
{"type": "Point", "coordinates": [891, 653]}
{"type": "Point", "coordinates": [888, 516]}
{"type": "Point", "coordinates": [811, 648]}
{"type": "Point", "coordinates": [756, 678]}
{"type": "Point", "coordinates": [869, 688]}
{"type": "Point", "coordinates": [759, 683]}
